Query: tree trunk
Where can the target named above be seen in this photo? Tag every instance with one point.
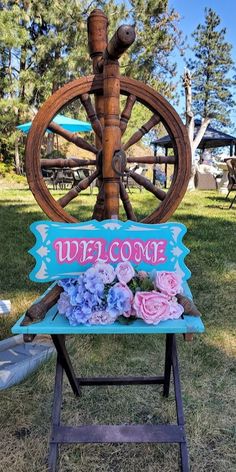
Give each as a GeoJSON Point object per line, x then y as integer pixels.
{"type": "Point", "coordinates": [188, 107]}
{"type": "Point", "coordinates": [204, 124]}
{"type": "Point", "coordinates": [194, 141]}
{"type": "Point", "coordinates": [50, 143]}
{"type": "Point", "coordinates": [17, 157]}
{"type": "Point", "coordinates": [55, 86]}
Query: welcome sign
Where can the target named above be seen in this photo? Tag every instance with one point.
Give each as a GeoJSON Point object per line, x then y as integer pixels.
{"type": "Point", "coordinates": [64, 250]}
{"type": "Point", "coordinates": [85, 250]}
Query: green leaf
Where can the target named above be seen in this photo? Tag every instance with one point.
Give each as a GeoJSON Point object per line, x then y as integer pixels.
{"type": "Point", "coordinates": [126, 321]}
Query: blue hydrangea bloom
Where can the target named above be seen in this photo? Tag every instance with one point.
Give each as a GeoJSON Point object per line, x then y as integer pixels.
{"type": "Point", "coordinates": [63, 303]}
{"type": "Point", "coordinates": [93, 282]}
{"type": "Point", "coordinates": [118, 302]}
{"type": "Point", "coordinates": [67, 284]}
{"type": "Point", "coordinates": [77, 316]}
{"type": "Point", "coordinates": [84, 294]}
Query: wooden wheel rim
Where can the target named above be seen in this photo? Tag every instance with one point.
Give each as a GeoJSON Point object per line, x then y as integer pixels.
{"type": "Point", "coordinates": [145, 95]}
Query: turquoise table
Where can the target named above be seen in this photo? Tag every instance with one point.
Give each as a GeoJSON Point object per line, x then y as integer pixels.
{"type": "Point", "coordinates": [58, 327]}
{"type": "Point", "coordinates": [49, 267]}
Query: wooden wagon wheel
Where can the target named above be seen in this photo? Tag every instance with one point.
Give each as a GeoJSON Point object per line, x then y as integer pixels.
{"type": "Point", "coordinates": [109, 125]}
{"type": "Point", "coordinates": [135, 91]}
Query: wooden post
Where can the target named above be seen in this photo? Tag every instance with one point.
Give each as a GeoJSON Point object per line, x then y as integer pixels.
{"type": "Point", "coordinates": [97, 39]}
{"type": "Point", "coordinates": [97, 25]}
{"type": "Point", "coordinates": [105, 58]}
{"type": "Point", "coordinates": [112, 136]}
{"type": "Point", "coordinates": [121, 40]}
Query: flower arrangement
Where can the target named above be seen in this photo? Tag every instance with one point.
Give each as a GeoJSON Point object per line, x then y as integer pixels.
{"type": "Point", "coordinates": [104, 294]}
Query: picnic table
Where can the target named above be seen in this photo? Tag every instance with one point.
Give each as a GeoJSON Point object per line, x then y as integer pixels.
{"type": "Point", "coordinates": [63, 177]}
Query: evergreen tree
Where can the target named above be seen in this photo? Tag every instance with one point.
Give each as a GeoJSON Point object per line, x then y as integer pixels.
{"type": "Point", "coordinates": [157, 37]}
{"type": "Point", "coordinates": [44, 45]}
{"type": "Point", "coordinates": [211, 67]}
{"type": "Point", "coordinates": [13, 36]}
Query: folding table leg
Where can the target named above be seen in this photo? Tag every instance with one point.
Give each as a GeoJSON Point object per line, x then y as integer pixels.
{"type": "Point", "coordinates": [59, 342]}
{"type": "Point", "coordinates": [83, 434]}
{"type": "Point", "coordinates": [179, 408]}
{"type": "Point", "coordinates": [168, 362]}
{"type": "Point", "coordinates": [56, 415]}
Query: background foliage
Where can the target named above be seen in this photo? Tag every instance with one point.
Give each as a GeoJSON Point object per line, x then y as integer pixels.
{"type": "Point", "coordinates": [211, 66]}
{"type": "Point", "coordinates": [44, 45]}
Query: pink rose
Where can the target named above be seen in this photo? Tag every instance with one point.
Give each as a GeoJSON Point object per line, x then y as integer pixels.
{"type": "Point", "coordinates": [168, 283]}
{"type": "Point", "coordinates": [152, 307]}
{"type": "Point", "coordinates": [125, 272]}
{"type": "Point", "coordinates": [127, 290]}
{"type": "Point", "coordinates": [176, 310]}
{"type": "Point", "coordinates": [106, 271]}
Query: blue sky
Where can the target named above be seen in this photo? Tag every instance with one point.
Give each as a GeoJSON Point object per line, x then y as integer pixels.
{"type": "Point", "coordinates": [192, 13]}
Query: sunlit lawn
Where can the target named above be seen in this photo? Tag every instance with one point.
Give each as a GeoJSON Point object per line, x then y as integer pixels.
{"type": "Point", "coordinates": [207, 364]}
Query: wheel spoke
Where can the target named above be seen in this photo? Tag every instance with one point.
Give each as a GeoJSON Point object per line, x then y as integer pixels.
{"type": "Point", "coordinates": [98, 211]}
{"type": "Point", "coordinates": [154, 120]}
{"type": "Point", "coordinates": [92, 116]}
{"type": "Point", "coordinates": [77, 189]}
{"type": "Point", "coordinates": [152, 160]}
{"type": "Point", "coordinates": [160, 194]}
{"type": "Point", "coordinates": [126, 113]}
{"type": "Point", "coordinates": [126, 203]}
{"type": "Point", "coordinates": [72, 162]}
{"type": "Point", "coordinates": [72, 137]}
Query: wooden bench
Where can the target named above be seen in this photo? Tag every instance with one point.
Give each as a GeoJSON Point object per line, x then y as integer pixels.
{"type": "Point", "coordinates": [50, 265]}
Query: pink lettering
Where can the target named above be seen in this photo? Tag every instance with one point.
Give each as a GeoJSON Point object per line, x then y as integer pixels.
{"type": "Point", "coordinates": [85, 251]}
{"type": "Point", "coordinates": [101, 252]}
{"type": "Point", "coordinates": [66, 250]}
{"type": "Point", "coordinates": [126, 251]}
{"type": "Point", "coordinates": [113, 247]}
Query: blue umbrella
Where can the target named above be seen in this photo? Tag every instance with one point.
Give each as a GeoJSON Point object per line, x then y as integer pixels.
{"type": "Point", "coordinates": [67, 123]}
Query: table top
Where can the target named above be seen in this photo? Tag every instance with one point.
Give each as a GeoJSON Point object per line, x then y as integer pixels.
{"type": "Point", "coordinates": [54, 323]}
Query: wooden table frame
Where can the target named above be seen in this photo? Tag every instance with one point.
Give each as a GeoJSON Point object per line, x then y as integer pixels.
{"type": "Point", "coordinates": [160, 433]}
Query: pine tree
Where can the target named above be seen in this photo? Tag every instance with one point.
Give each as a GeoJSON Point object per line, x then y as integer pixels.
{"type": "Point", "coordinates": [211, 67]}
{"type": "Point", "coordinates": [13, 36]}
{"type": "Point", "coordinates": [44, 45]}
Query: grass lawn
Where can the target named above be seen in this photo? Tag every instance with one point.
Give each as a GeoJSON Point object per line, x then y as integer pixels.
{"type": "Point", "coordinates": [207, 364]}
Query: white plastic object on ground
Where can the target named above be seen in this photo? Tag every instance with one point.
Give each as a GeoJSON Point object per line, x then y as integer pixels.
{"type": "Point", "coordinates": [5, 307]}
{"type": "Point", "coordinates": [19, 359]}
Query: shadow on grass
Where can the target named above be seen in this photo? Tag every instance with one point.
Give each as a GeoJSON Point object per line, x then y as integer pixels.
{"type": "Point", "coordinates": [219, 198]}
